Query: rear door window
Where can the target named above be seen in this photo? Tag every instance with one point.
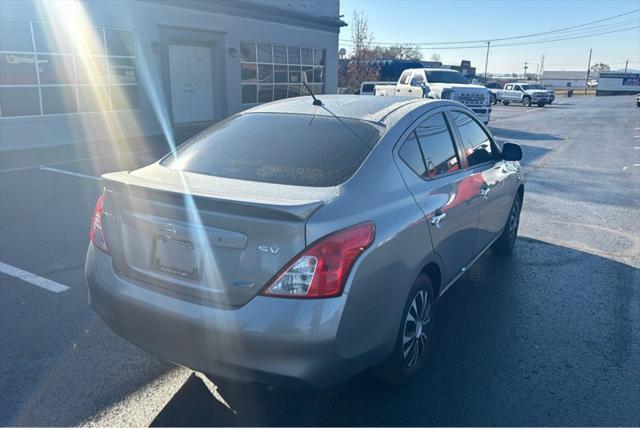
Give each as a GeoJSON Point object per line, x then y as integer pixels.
{"type": "Point", "coordinates": [292, 149]}
{"type": "Point", "coordinates": [411, 154]}
{"type": "Point", "coordinates": [437, 146]}
{"type": "Point", "coordinates": [477, 145]}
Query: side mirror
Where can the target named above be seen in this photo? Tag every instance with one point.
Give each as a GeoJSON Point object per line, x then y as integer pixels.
{"type": "Point", "coordinates": [414, 82]}
{"type": "Point", "coordinates": [511, 152]}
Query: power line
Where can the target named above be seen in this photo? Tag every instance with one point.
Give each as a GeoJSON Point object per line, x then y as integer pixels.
{"type": "Point", "coordinates": [581, 36]}
{"type": "Point", "coordinates": [513, 37]}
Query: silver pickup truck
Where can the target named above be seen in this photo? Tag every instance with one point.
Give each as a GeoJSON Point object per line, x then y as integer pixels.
{"type": "Point", "coordinates": [524, 93]}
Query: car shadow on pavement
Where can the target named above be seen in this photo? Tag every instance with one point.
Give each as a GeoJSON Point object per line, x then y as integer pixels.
{"type": "Point", "coordinates": [522, 135]}
{"type": "Point", "coordinates": [535, 339]}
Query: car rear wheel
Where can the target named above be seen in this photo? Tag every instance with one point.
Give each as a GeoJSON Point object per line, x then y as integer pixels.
{"type": "Point", "coordinates": [540, 104]}
{"type": "Point", "coordinates": [526, 101]}
{"type": "Point", "coordinates": [414, 336]}
{"type": "Point", "coordinates": [507, 241]}
{"type": "Point", "coordinates": [505, 103]}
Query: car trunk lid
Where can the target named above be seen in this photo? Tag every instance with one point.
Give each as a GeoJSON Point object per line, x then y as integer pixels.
{"type": "Point", "coordinates": [201, 237]}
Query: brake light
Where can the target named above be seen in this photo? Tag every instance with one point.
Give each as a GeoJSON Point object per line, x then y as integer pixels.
{"type": "Point", "coordinates": [97, 233]}
{"type": "Point", "coordinates": [321, 270]}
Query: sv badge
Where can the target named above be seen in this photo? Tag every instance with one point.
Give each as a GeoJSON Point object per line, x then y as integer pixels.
{"type": "Point", "coordinates": [268, 249]}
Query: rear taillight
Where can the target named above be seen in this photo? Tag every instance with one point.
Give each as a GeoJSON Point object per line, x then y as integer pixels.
{"type": "Point", "coordinates": [97, 233]}
{"type": "Point", "coordinates": [321, 270]}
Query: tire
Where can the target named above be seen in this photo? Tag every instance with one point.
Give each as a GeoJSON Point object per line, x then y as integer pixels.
{"type": "Point", "coordinates": [494, 99]}
{"type": "Point", "coordinates": [526, 101]}
{"type": "Point", "coordinates": [505, 244]}
{"type": "Point", "coordinates": [505, 103]}
{"type": "Point", "coordinates": [540, 104]}
{"type": "Point", "coordinates": [404, 363]}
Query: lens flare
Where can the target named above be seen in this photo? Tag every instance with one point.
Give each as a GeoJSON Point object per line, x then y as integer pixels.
{"type": "Point", "coordinates": [109, 131]}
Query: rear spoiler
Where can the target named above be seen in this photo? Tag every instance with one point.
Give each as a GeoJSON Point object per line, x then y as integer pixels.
{"type": "Point", "coordinates": [132, 187]}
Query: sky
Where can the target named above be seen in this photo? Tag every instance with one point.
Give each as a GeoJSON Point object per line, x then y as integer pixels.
{"type": "Point", "coordinates": [436, 21]}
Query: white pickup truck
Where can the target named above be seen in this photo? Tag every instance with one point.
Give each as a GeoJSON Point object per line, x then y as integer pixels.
{"type": "Point", "coordinates": [440, 83]}
{"type": "Point", "coordinates": [524, 93]}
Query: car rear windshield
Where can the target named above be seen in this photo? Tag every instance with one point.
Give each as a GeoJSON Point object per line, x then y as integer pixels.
{"type": "Point", "coordinates": [293, 149]}
{"type": "Point", "coordinates": [437, 76]}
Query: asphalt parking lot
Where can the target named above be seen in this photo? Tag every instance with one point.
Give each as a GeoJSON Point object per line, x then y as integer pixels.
{"type": "Point", "coordinates": [549, 337]}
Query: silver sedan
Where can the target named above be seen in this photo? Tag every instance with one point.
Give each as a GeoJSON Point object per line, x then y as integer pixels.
{"type": "Point", "coordinates": [300, 243]}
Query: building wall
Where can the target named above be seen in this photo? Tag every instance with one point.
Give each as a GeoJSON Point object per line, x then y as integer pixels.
{"type": "Point", "coordinates": [326, 8]}
{"type": "Point", "coordinates": [154, 26]}
{"type": "Point", "coordinates": [562, 83]}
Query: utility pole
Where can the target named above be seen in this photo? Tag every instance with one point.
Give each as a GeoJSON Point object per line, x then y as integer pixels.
{"type": "Point", "coordinates": [588, 72]}
{"type": "Point", "coordinates": [626, 65]}
{"type": "Point", "coordinates": [486, 61]}
{"type": "Point", "coordinates": [541, 68]}
{"type": "Point", "coordinates": [525, 70]}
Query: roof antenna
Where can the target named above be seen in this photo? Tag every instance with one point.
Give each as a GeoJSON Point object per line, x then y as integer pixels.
{"type": "Point", "coordinates": [316, 102]}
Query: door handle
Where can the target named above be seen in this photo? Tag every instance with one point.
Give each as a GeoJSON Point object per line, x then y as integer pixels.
{"type": "Point", "coordinates": [410, 90]}
{"type": "Point", "coordinates": [484, 191]}
{"type": "Point", "coordinates": [397, 90]}
{"type": "Point", "coordinates": [438, 217]}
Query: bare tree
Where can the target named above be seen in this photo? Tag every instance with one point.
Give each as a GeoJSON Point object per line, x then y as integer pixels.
{"type": "Point", "coordinates": [435, 57]}
{"type": "Point", "coordinates": [598, 68]}
{"type": "Point", "coordinates": [400, 51]}
{"type": "Point", "coordinates": [359, 68]}
{"type": "Point", "coordinates": [361, 37]}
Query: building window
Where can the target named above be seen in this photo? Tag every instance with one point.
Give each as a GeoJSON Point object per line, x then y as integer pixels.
{"type": "Point", "coordinates": [44, 71]}
{"type": "Point", "coordinates": [271, 72]}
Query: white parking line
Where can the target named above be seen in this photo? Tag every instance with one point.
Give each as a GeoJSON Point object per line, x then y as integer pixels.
{"type": "Point", "coordinates": [24, 168]}
{"type": "Point", "coordinates": [32, 278]}
{"type": "Point", "coordinates": [75, 174]}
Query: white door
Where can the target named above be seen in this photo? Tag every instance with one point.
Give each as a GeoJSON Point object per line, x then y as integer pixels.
{"type": "Point", "coordinates": [201, 81]}
{"type": "Point", "coordinates": [179, 72]}
{"type": "Point", "coordinates": [191, 83]}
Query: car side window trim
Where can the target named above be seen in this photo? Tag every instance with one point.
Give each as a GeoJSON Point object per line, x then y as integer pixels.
{"type": "Point", "coordinates": [412, 130]}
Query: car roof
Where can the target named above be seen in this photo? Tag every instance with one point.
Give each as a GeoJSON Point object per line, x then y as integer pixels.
{"type": "Point", "coordinates": [372, 109]}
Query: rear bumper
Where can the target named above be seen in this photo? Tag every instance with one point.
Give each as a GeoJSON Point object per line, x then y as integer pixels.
{"type": "Point", "coordinates": [288, 342]}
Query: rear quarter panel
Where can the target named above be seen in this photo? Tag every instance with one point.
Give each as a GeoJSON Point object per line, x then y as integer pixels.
{"type": "Point", "coordinates": [382, 277]}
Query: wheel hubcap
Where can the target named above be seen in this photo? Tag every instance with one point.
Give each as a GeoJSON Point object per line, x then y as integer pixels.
{"type": "Point", "coordinates": [414, 337]}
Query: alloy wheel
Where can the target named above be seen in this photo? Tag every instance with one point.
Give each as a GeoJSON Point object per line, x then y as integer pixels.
{"type": "Point", "coordinates": [514, 220]}
{"type": "Point", "coordinates": [414, 336]}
